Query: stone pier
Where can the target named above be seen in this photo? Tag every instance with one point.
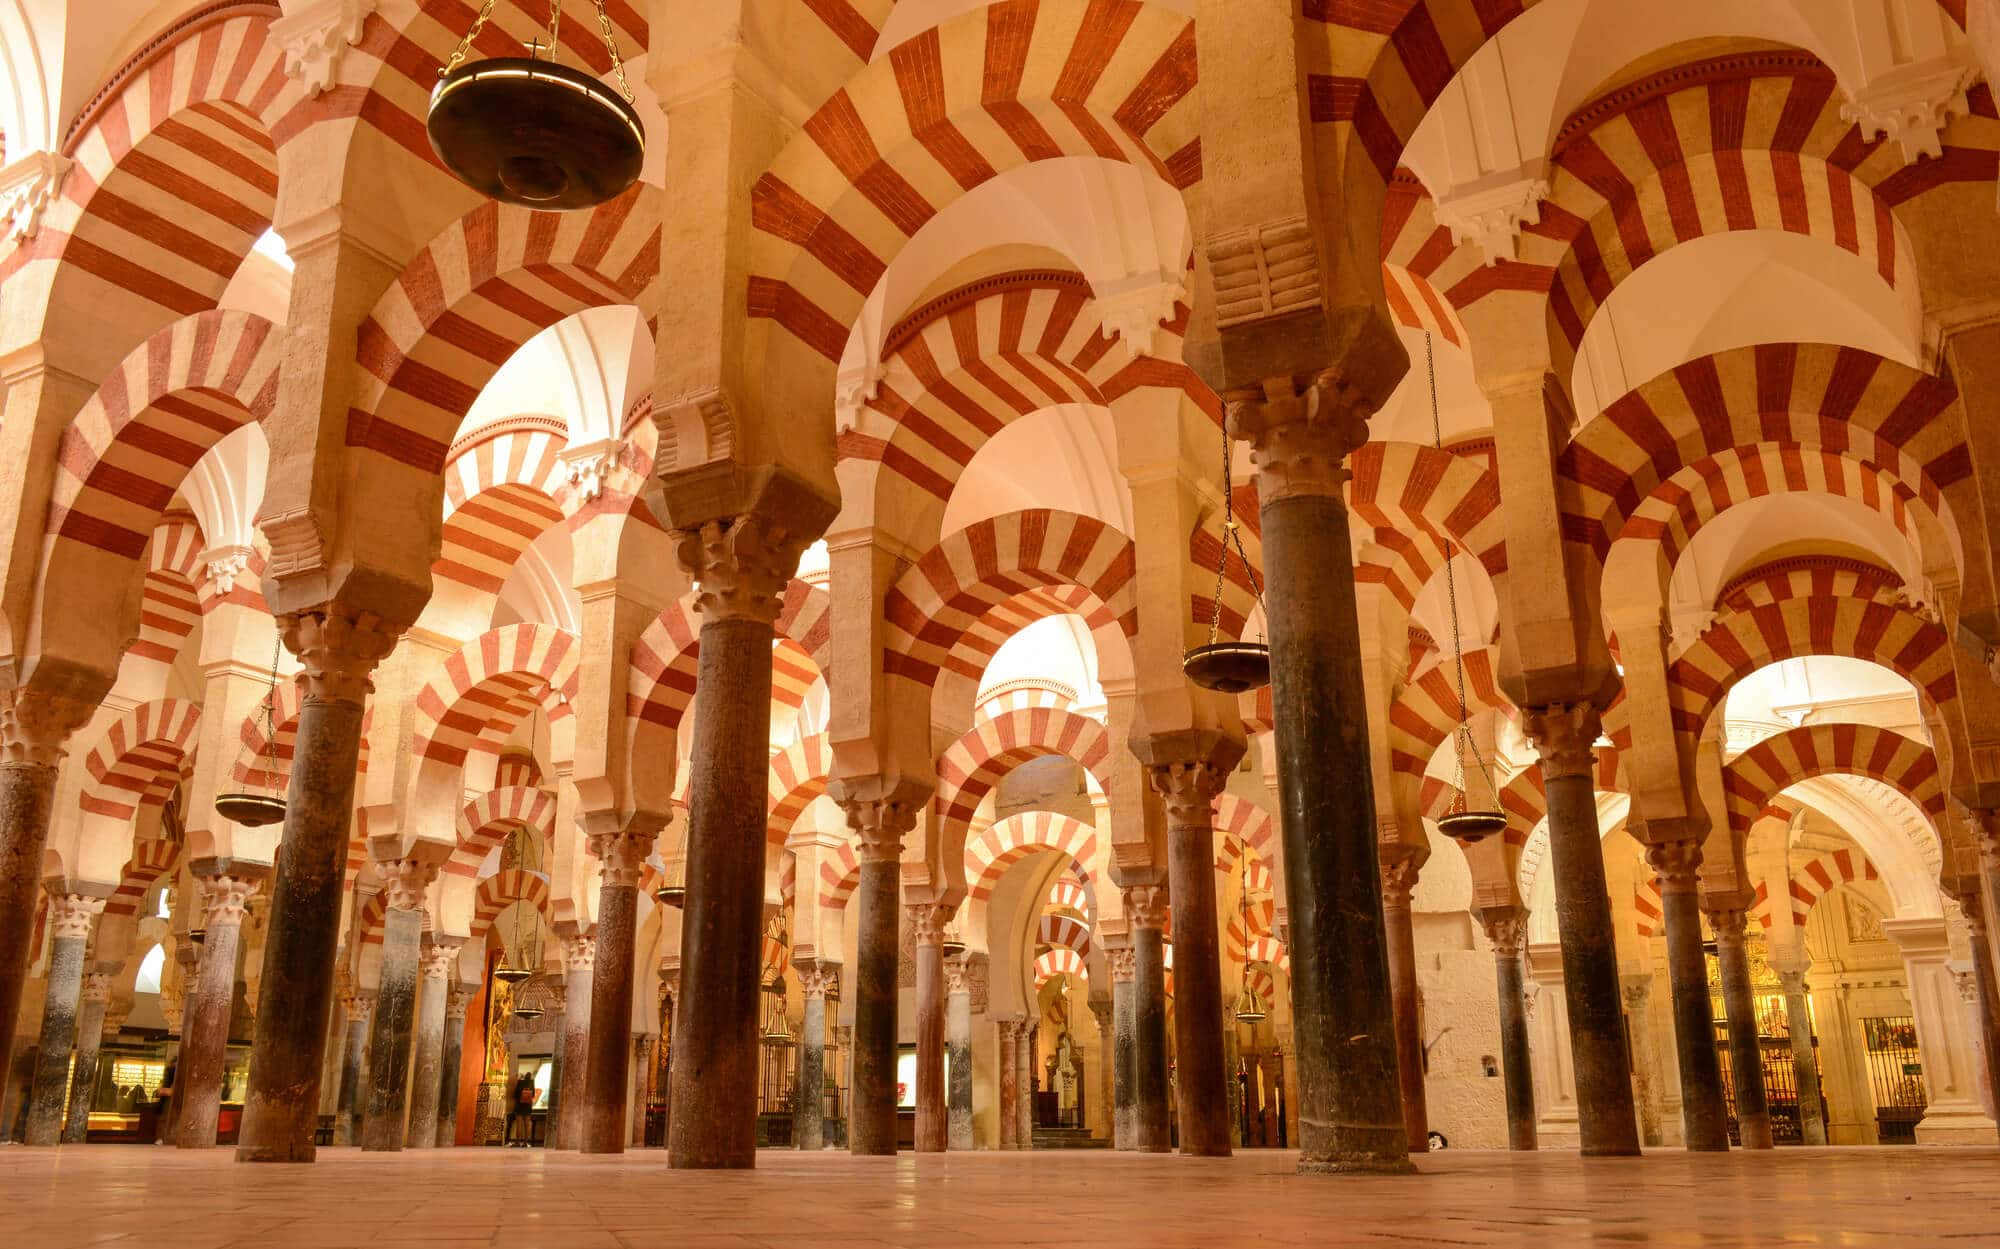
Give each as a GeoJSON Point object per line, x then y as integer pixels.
{"type": "Point", "coordinates": [1704, 1114]}
{"type": "Point", "coordinates": [226, 887]}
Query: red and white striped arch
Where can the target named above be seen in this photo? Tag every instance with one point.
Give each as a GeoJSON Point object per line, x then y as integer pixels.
{"type": "Point", "coordinates": [954, 607]}
{"type": "Point", "coordinates": [1059, 961]}
{"type": "Point", "coordinates": [660, 685]}
{"type": "Point", "coordinates": [991, 852]}
{"type": "Point", "coordinates": [798, 776]}
{"type": "Point", "coordinates": [971, 766]}
{"type": "Point", "coordinates": [466, 303]}
{"type": "Point", "coordinates": [1426, 710]}
{"type": "Point", "coordinates": [501, 490]}
{"type": "Point", "coordinates": [1759, 774]}
{"type": "Point", "coordinates": [1068, 895]}
{"type": "Point", "coordinates": [1246, 925]}
{"type": "Point", "coordinates": [839, 874]}
{"type": "Point", "coordinates": [151, 859]}
{"type": "Point", "coordinates": [488, 685]}
{"type": "Point", "coordinates": [1065, 931]}
{"type": "Point", "coordinates": [498, 892]}
{"type": "Point", "coordinates": [264, 760]}
{"type": "Point", "coordinates": [1821, 875]}
{"type": "Point", "coordinates": [1448, 495]}
{"type": "Point", "coordinates": [139, 759]}
{"type": "Point", "coordinates": [487, 820]}
{"type": "Point", "coordinates": [1271, 951]}
{"type": "Point", "coordinates": [170, 603]}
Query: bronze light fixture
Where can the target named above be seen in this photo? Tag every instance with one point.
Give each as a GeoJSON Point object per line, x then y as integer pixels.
{"type": "Point", "coordinates": [525, 130]}
{"type": "Point", "coordinates": [254, 809]}
{"type": "Point", "coordinates": [1250, 1007]}
{"type": "Point", "coordinates": [517, 960]}
{"type": "Point", "coordinates": [1229, 667]}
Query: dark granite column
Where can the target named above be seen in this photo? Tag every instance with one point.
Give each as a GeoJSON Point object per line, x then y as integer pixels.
{"type": "Point", "coordinates": [1704, 1113]}
{"type": "Point", "coordinates": [70, 916]}
{"type": "Point", "coordinates": [741, 572]}
{"type": "Point", "coordinates": [438, 968]}
{"type": "Point", "coordinates": [809, 1106]}
{"type": "Point", "coordinates": [1505, 927]}
{"type": "Point", "coordinates": [226, 886]}
{"type": "Point", "coordinates": [1124, 1047]}
{"type": "Point", "coordinates": [1746, 1054]}
{"type": "Point", "coordinates": [281, 1112]}
{"type": "Point", "coordinates": [1565, 736]}
{"type": "Point", "coordinates": [457, 997]}
{"type": "Point", "coordinates": [1350, 1108]}
{"type": "Point", "coordinates": [1007, 1082]}
{"type": "Point", "coordinates": [388, 1104]}
{"type": "Point", "coordinates": [1188, 787]}
{"type": "Point", "coordinates": [879, 829]}
{"type": "Point", "coordinates": [606, 1084]}
{"type": "Point", "coordinates": [90, 1031]}
{"type": "Point", "coordinates": [1399, 877]}
{"type": "Point", "coordinates": [958, 1042]}
{"type": "Point", "coordinates": [1805, 1065]}
{"type": "Point", "coordinates": [927, 923]}
{"type": "Point", "coordinates": [360, 1008]}
{"type": "Point", "coordinates": [1146, 912]}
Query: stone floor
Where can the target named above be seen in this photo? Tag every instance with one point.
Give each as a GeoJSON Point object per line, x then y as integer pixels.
{"type": "Point", "coordinates": [156, 1198]}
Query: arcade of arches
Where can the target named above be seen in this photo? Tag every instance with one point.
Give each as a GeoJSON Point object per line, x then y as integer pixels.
{"type": "Point", "coordinates": [713, 661]}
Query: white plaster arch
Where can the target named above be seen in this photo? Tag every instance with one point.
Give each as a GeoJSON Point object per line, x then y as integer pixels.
{"type": "Point", "coordinates": [1064, 458]}
{"type": "Point", "coordinates": [226, 487]}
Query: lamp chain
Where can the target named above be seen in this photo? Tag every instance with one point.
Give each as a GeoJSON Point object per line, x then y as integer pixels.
{"type": "Point", "coordinates": [611, 45]}
{"type": "Point", "coordinates": [465, 44]}
{"type": "Point", "coordinates": [1232, 534]}
{"type": "Point", "coordinates": [1466, 745]}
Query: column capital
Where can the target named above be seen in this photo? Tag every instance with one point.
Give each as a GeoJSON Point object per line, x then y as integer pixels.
{"type": "Point", "coordinates": [1565, 737]}
{"type": "Point", "coordinates": [1146, 906]}
{"type": "Point", "coordinates": [70, 914]}
{"type": "Point", "coordinates": [225, 896]}
{"type": "Point", "coordinates": [1729, 923]}
{"type": "Point", "coordinates": [440, 958]}
{"type": "Point", "coordinates": [1300, 431]}
{"type": "Point", "coordinates": [1505, 927]}
{"type": "Point", "coordinates": [339, 648]}
{"type": "Point", "coordinates": [879, 825]}
{"type": "Point", "coordinates": [957, 975]}
{"type": "Point", "coordinates": [1122, 960]}
{"type": "Point", "coordinates": [359, 1005]}
{"type": "Point", "coordinates": [622, 855]}
{"type": "Point", "coordinates": [404, 882]}
{"type": "Point", "coordinates": [579, 952]}
{"type": "Point", "coordinates": [1399, 880]}
{"type": "Point", "coordinates": [1677, 864]}
{"type": "Point", "coordinates": [1635, 990]}
{"type": "Point", "coordinates": [35, 725]}
{"type": "Point", "coordinates": [817, 979]}
{"type": "Point", "coordinates": [740, 567]}
{"type": "Point", "coordinates": [1189, 788]}
{"type": "Point", "coordinates": [96, 986]}
{"type": "Point", "coordinates": [927, 921]}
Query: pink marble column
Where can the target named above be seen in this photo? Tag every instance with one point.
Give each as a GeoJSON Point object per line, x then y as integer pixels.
{"type": "Point", "coordinates": [933, 1122]}
{"type": "Point", "coordinates": [606, 1091]}
{"type": "Point", "coordinates": [1009, 1082]}
{"type": "Point", "coordinates": [226, 886]}
{"type": "Point", "coordinates": [1400, 868]}
{"type": "Point", "coordinates": [579, 951]}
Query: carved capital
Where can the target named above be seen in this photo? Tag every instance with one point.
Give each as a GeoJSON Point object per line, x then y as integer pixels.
{"type": "Point", "coordinates": [579, 952]}
{"type": "Point", "coordinates": [927, 921]}
{"type": "Point", "coordinates": [35, 724]}
{"type": "Point", "coordinates": [1794, 983]}
{"type": "Point", "coordinates": [1676, 863]}
{"type": "Point", "coordinates": [96, 987]}
{"type": "Point", "coordinates": [1635, 990]}
{"type": "Point", "coordinates": [1505, 927]}
{"type": "Point", "coordinates": [1300, 433]}
{"type": "Point", "coordinates": [339, 648]}
{"type": "Point", "coordinates": [404, 882]}
{"type": "Point", "coordinates": [440, 958]}
{"type": "Point", "coordinates": [70, 915]}
{"type": "Point", "coordinates": [622, 855]}
{"type": "Point", "coordinates": [1913, 103]}
{"type": "Point", "coordinates": [457, 1000]}
{"type": "Point", "coordinates": [592, 467]}
{"type": "Point", "coordinates": [1967, 984]}
{"type": "Point", "coordinates": [957, 976]}
{"type": "Point", "coordinates": [818, 980]}
{"type": "Point", "coordinates": [1135, 314]}
{"type": "Point", "coordinates": [1491, 212]}
{"type": "Point", "coordinates": [879, 825]}
{"type": "Point", "coordinates": [226, 897]}
{"type": "Point", "coordinates": [1146, 906]}
{"type": "Point", "coordinates": [27, 187]}
{"type": "Point", "coordinates": [740, 570]}
{"type": "Point", "coordinates": [1188, 789]}
{"type": "Point", "coordinates": [1399, 880]}
{"type": "Point", "coordinates": [1729, 924]}
{"type": "Point", "coordinates": [317, 36]}
{"type": "Point", "coordinates": [1565, 738]}
{"type": "Point", "coordinates": [225, 565]}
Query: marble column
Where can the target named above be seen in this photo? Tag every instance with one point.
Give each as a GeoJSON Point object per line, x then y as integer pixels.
{"type": "Point", "coordinates": [1146, 911]}
{"type": "Point", "coordinates": [1188, 788]}
{"type": "Point", "coordinates": [34, 724]}
{"type": "Point", "coordinates": [556, 1021]}
{"type": "Point", "coordinates": [1009, 1082]}
{"type": "Point", "coordinates": [1399, 877]}
{"type": "Point", "coordinates": [1024, 1085]}
{"type": "Point", "coordinates": [1565, 736]}
{"type": "Point", "coordinates": [1704, 1112]}
{"type": "Point", "coordinates": [90, 1031]}
{"type": "Point", "coordinates": [451, 1057]}
{"type": "Point", "coordinates": [642, 1066]}
{"type": "Point", "coordinates": [878, 827]}
{"type": "Point", "coordinates": [1300, 435]}
{"type": "Point", "coordinates": [359, 1006]}
{"type": "Point", "coordinates": [608, 1073]}
{"type": "Point", "coordinates": [1805, 1064]}
{"type": "Point", "coordinates": [438, 969]}
{"type": "Point", "coordinates": [927, 923]}
{"type": "Point", "coordinates": [1985, 991]}
{"type": "Point", "coordinates": [579, 951]}
{"type": "Point", "coordinates": [1648, 1091]}
{"type": "Point", "coordinates": [1506, 927]}
{"type": "Point", "coordinates": [1107, 1059]}
{"type": "Point", "coordinates": [388, 1103]}
{"type": "Point", "coordinates": [69, 920]}
{"type": "Point", "coordinates": [338, 649]}
{"type": "Point", "coordinates": [809, 1111]}
{"type": "Point", "coordinates": [1124, 1049]}
{"type": "Point", "coordinates": [958, 1043]}
{"type": "Point", "coordinates": [1746, 1055]}
{"type": "Point", "coordinates": [741, 568]}
{"type": "Point", "coordinates": [226, 887]}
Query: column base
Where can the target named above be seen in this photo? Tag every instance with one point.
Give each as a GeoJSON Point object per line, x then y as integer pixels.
{"type": "Point", "coordinates": [1956, 1124]}
{"type": "Point", "coordinates": [1358, 1164]}
{"type": "Point", "coordinates": [1559, 1131]}
{"type": "Point", "coordinates": [299, 1152]}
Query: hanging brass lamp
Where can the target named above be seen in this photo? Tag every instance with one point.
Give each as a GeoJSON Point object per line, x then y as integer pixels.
{"type": "Point", "coordinates": [777, 1028]}
{"type": "Point", "coordinates": [525, 130]}
{"type": "Point", "coordinates": [255, 809]}
{"type": "Point", "coordinates": [518, 960]}
{"type": "Point", "coordinates": [1250, 1007]}
{"type": "Point", "coordinates": [1229, 667]}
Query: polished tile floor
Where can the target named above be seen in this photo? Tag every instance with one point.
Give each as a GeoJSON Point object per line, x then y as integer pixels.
{"type": "Point", "coordinates": [153, 1198]}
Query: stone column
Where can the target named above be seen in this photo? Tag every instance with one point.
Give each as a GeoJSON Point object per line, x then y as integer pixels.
{"type": "Point", "coordinates": [1506, 926]}
{"type": "Point", "coordinates": [1548, 1023]}
{"type": "Point", "coordinates": [1350, 1111]}
{"type": "Point", "coordinates": [458, 996]}
{"type": "Point", "coordinates": [1008, 1081]}
{"type": "Point", "coordinates": [1805, 1065]}
{"type": "Point", "coordinates": [439, 968]}
{"type": "Point", "coordinates": [388, 1099]}
{"type": "Point", "coordinates": [958, 1041]}
{"type": "Point", "coordinates": [579, 991]}
{"type": "Point", "coordinates": [1188, 789]}
{"type": "Point", "coordinates": [556, 1021]}
{"type": "Point", "coordinates": [69, 919]}
{"type": "Point", "coordinates": [1107, 1058]}
{"type": "Point", "coordinates": [1399, 877]}
{"type": "Point", "coordinates": [809, 1113]}
{"type": "Point", "coordinates": [879, 825]}
{"type": "Point", "coordinates": [359, 1007]}
{"type": "Point", "coordinates": [1704, 1113]}
{"type": "Point", "coordinates": [34, 724]}
{"type": "Point", "coordinates": [642, 1066]}
{"type": "Point", "coordinates": [927, 923]}
{"type": "Point", "coordinates": [1146, 911]}
{"type": "Point", "coordinates": [1746, 1056]}
{"type": "Point", "coordinates": [606, 1091]}
{"type": "Point", "coordinates": [338, 648]}
{"type": "Point", "coordinates": [741, 571]}
{"type": "Point", "coordinates": [1124, 1047]}
{"type": "Point", "coordinates": [226, 887]}
{"type": "Point", "coordinates": [90, 1030]}
{"type": "Point", "coordinates": [1984, 989]}
{"type": "Point", "coordinates": [1565, 735]}
{"type": "Point", "coordinates": [1945, 1044]}
{"type": "Point", "coordinates": [1648, 1093]}
{"type": "Point", "coordinates": [1024, 1085]}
